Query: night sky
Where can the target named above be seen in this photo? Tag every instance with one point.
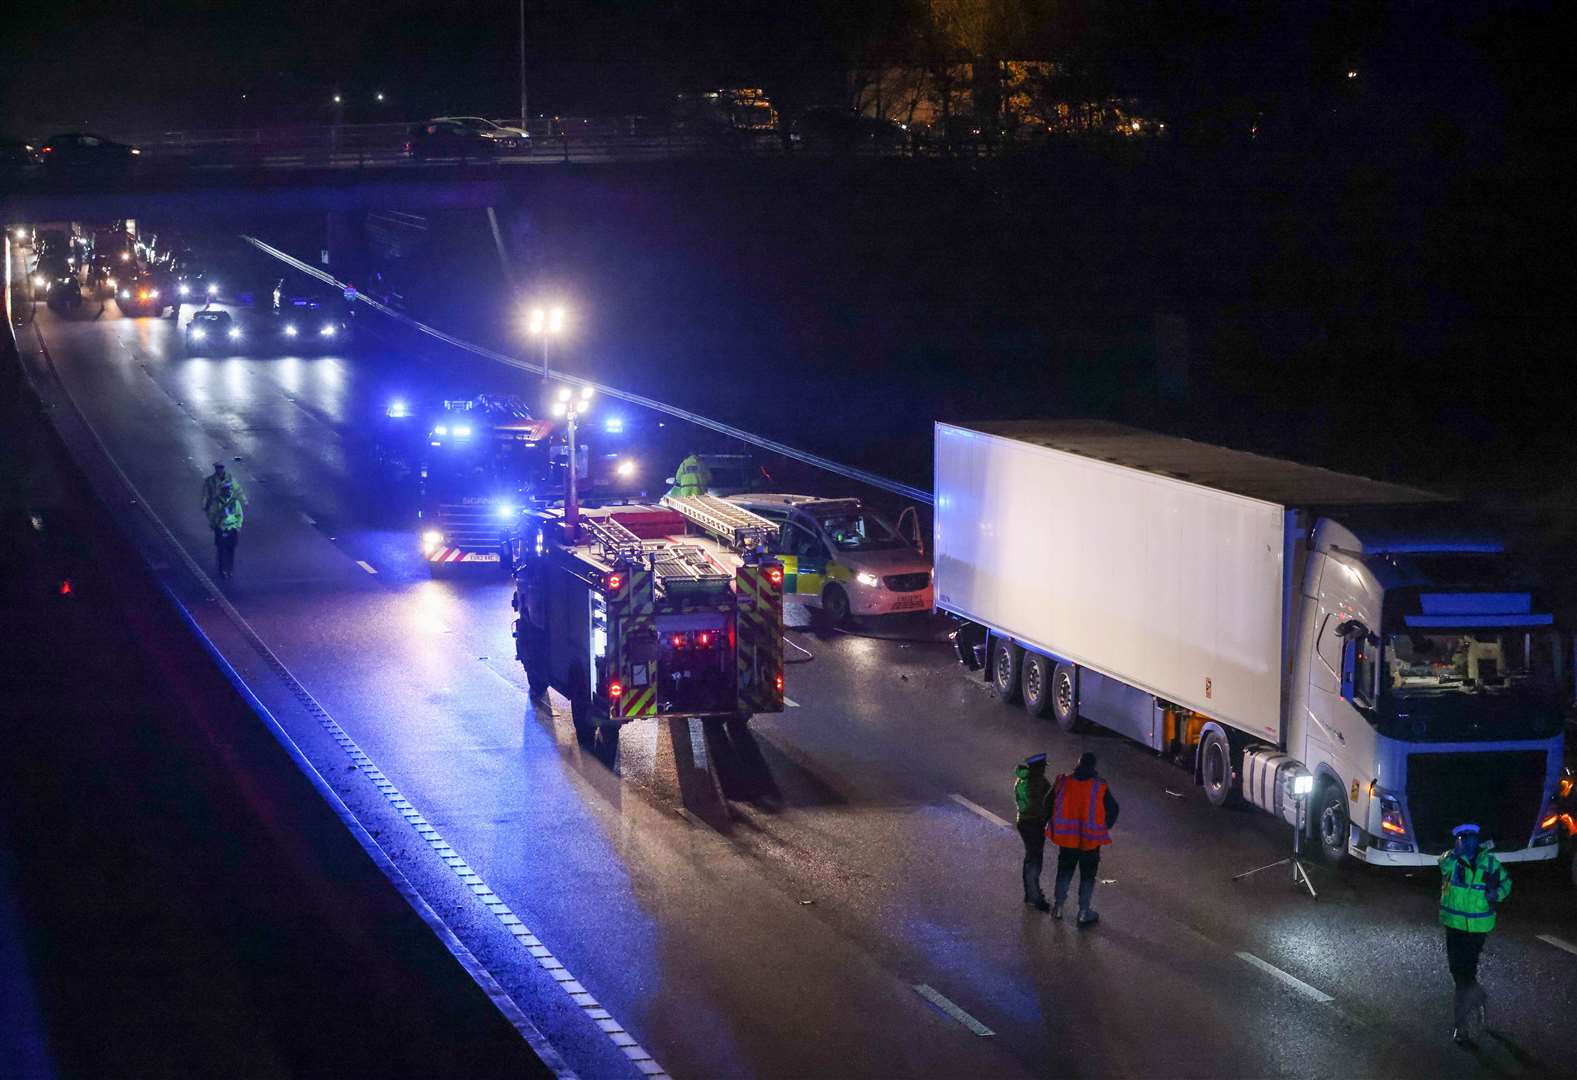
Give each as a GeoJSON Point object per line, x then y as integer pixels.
{"type": "Point", "coordinates": [170, 64]}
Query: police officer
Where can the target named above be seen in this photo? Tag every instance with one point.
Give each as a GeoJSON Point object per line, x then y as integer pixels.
{"type": "Point", "coordinates": [691, 478]}
{"type": "Point", "coordinates": [1032, 795]}
{"type": "Point", "coordinates": [1472, 885]}
{"type": "Point", "coordinates": [225, 516]}
{"type": "Point", "coordinates": [1083, 812]}
{"type": "Point", "coordinates": [218, 479]}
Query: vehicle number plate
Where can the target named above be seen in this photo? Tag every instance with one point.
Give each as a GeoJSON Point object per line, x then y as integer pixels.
{"type": "Point", "coordinates": [909, 603]}
{"type": "Point", "coordinates": [479, 556]}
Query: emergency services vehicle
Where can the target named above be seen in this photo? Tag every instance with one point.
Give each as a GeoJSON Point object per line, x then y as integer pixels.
{"type": "Point", "coordinates": [840, 556]}
{"type": "Point", "coordinates": [638, 610]}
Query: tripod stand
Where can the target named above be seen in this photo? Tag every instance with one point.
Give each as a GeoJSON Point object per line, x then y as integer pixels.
{"type": "Point", "coordinates": [1300, 876]}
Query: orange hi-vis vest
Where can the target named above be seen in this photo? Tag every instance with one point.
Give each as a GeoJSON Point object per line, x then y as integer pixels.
{"type": "Point", "coordinates": [1078, 814]}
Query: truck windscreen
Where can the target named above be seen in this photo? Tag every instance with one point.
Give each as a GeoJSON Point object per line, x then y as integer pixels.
{"type": "Point", "coordinates": [1470, 685]}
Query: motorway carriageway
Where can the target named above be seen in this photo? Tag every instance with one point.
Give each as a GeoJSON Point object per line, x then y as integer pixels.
{"type": "Point", "coordinates": [834, 893]}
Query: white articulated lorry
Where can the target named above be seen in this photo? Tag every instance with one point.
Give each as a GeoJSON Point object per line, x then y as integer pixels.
{"type": "Point", "coordinates": [1261, 620]}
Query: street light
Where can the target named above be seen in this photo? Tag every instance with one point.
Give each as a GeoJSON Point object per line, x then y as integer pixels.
{"type": "Point", "coordinates": [571, 407]}
{"type": "Point", "coordinates": [545, 321]}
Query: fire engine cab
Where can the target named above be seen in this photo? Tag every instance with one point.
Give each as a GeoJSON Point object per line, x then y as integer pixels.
{"type": "Point", "coordinates": [642, 610]}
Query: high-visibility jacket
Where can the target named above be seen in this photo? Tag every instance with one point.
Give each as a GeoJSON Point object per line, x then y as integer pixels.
{"type": "Point", "coordinates": [691, 478]}
{"type": "Point", "coordinates": [212, 483]}
{"type": "Point", "coordinates": [1078, 814]}
{"type": "Point", "coordinates": [1470, 890]}
{"type": "Point", "coordinates": [1031, 794]}
{"type": "Point", "coordinates": [226, 514]}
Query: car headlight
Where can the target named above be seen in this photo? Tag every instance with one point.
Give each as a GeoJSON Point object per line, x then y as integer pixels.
{"type": "Point", "coordinates": [38, 281]}
{"type": "Point", "coordinates": [199, 334]}
{"type": "Point", "coordinates": [462, 431]}
{"type": "Point", "coordinates": [155, 294]}
{"type": "Point", "coordinates": [506, 510]}
{"type": "Point", "coordinates": [290, 330]}
{"type": "Point", "coordinates": [212, 289]}
{"type": "Point", "coordinates": [870, 581]}
{"type": "Point", "coordinates": [234, 334]}
{"type": "Point", "coordinates": [125, 294]}
{"type": "Point", "coordinates": [327, 331]}
{"type": "Point", "coordinates": [184, 289]}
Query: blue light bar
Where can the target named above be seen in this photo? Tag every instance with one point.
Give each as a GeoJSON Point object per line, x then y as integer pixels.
{"type": "Point", "coordinates": [1476, 622]}
{"type": "Point", "coordinates": [1436, 547]}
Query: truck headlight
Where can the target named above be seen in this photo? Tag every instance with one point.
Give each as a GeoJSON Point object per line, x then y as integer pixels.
{"type": "Point", "coordinates": [290, 330]}
{"type": "Point", "coordinates": [1391, 822]}
{"type": "Point", "coordinates": [870, 581]}
{"type": "Point", "coordinates": [625, 468]}
{"type": "Point", "coordinates": [430, 541]}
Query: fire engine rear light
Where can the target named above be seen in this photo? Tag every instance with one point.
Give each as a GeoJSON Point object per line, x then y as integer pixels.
{"type": "Point", "coordinates": [680, 640]}
{"type": "Point", "coordinates": [780, 684]}
{"type": "Point", "coordinates": [615, 582]}
{"type": "Point", "coordinates": [703, 639]}
{"type": "Point", "coordinates": [615, 689]}
{"type": "Point", "coordinates": [775, 575]}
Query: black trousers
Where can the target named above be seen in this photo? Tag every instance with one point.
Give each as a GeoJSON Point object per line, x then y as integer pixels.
{"type": "Point", "coordinates": [1462, 953]}
{"type": "Point", "coordinates": [1033, 833]}
{"type": "Point", "coordinates": [225, 541]}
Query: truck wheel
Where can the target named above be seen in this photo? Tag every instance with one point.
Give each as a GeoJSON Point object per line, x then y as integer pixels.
{"type": "Point", "coordinates": [580, 717]}
{"type": "Point", "coordinates": [1065, 697]}
{"type": "Point", "coordinates": [738, 723]}
{"type": "Point", "coordinates": [835, 605]}
{"type": "Point", "coordinates": [1035, 679]}
{"type": "Point", "coordinates": [1331, 822]}
{"type": "Point", "coordinates": [1215, 768]}
{"type": "Point", "coordinates": [1005, 662]}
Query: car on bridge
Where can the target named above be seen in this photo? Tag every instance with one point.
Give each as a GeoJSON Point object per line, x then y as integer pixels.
{"type": "Point", "coordinates": [81, 151]}
{"type": "Point", "coordinates": [209, 330]}
{"type": "Point", "coordinates": [142, 294]}
{"type": "Point", "coordinates": [462, 138]}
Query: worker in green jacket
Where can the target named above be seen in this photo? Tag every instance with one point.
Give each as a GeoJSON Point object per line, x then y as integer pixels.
{"type": "Point", "coordinates": [226, 514]}
{"type": "Point", "coordinates": [1472, 885]}
{"type": "Point", "coordinates": [691, 478]}
{"type": "Point", "coordinates": [1032, 797]}
{"type": "Point", "coordinates": [218, 479]}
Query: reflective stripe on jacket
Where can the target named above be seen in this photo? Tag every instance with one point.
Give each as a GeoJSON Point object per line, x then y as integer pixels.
{"type": "Point", "coordinates": [1470, 890]}
{"type": "Point", "coordinates": [1078, 814]}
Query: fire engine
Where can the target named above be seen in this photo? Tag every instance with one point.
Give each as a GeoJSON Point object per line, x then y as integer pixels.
{"type": "Point", "coordinates": [650, 610]}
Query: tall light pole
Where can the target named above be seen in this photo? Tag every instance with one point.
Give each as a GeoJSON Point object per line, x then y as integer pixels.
{"type": "Point", "coordinates": [545, 321]}
{"type": "Point", "coordinates": [524, 117]}
{"type": "Point", "coordinates": [572, 406]}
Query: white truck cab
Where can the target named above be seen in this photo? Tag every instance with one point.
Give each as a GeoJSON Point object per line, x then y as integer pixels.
{"type": "Point", "coordinates": [842, 557]}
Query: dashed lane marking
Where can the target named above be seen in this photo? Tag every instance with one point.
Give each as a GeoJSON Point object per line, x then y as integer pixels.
{"type": "Point", "coordinates": [638, 1056]}
{"type": "Point", "coordinates": [1291, 980]}
{"type": "Point", "coordinates": [790, 703]}
{"type": "Point", "coordinates": [941, 1002]}
{"type": "Point", "coordinates": [367, 566]}
{"type": "Point", "coordinates": [976, 808]}
{"type": "Point", "coordinates": [1551, 939]}
{"type": "Point", "coordinates": [308, 518]}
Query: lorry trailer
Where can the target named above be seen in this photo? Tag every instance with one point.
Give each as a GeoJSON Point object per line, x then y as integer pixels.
{"type": "Point", "coordinates": [1264, 622]}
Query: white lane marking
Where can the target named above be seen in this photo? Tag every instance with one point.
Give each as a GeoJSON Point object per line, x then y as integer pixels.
{"type": "Point", "coordinates": [367, 566]}
{"type": "Point", "coordinates": [1291, 980]}
{"type": "Point", "coordinates": [790, 703]}
{"type": "Point", "coordinates": [976, 808]}
{"type": "Point", "coordinates": [308, 518]}
{"type": "Point", "coordinates": [1551, 939]}
{"type": "Point", "coordinates": [941, 1002]}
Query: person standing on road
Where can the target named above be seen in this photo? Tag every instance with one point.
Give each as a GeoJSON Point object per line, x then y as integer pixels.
{"type": "Point", "coordinates": [218, 479]}
{"type": "Point", "coordinates": [1472, 885]}
{"type": "Point", "coordinates": [1083, 812]}
{"type": "Point", "coordinates": [1032, 795]}
{"type": "Point", "coordinates": [226, 515]}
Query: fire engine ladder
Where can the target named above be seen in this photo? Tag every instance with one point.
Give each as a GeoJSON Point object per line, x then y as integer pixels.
{"type": "Point", "coordinates": [682, 565]}
{"type": "Point", "coordinates": [729, 522]}
{"type": "Point", "coordinates": [614, 541]}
